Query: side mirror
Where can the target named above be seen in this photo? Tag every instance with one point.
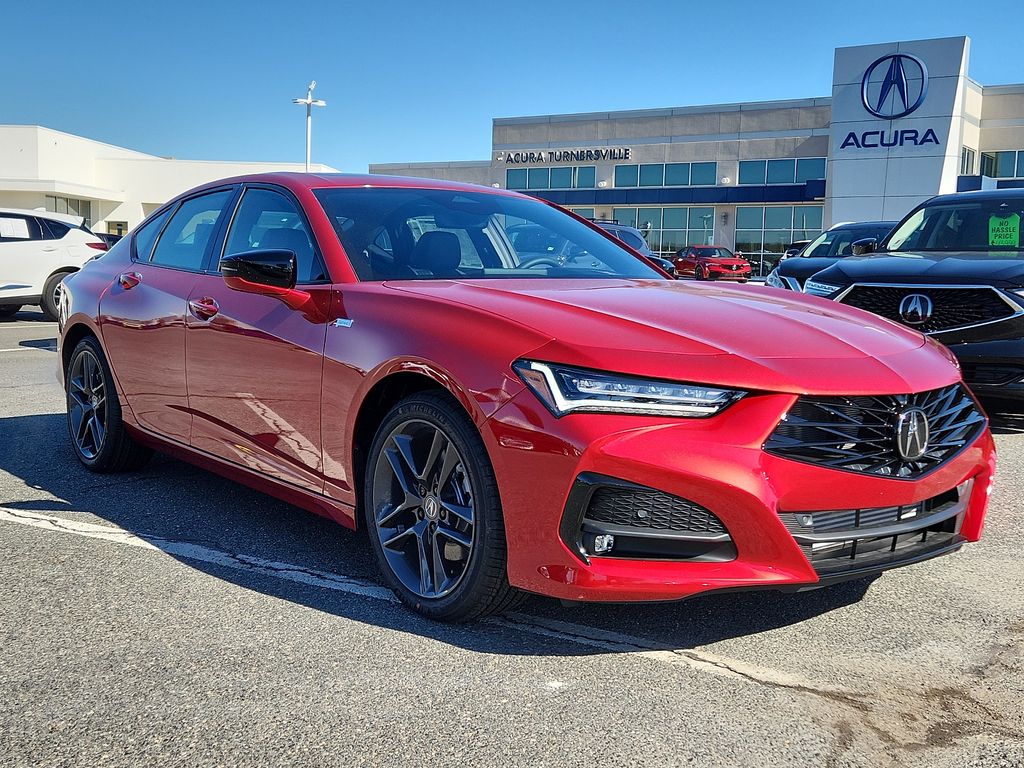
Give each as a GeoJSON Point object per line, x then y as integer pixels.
{"type": "Point", "coordinates": [863, 247]}
{"type": "Point", "coordinates": [257, 271]}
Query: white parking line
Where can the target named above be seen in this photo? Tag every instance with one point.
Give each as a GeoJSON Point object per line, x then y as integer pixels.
{"type": "Point", "coordinates": [575, 633]}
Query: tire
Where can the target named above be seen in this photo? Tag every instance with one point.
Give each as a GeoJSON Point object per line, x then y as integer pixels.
{"type": "Point", "coordinates": [700, 273]}
{"type": "Point", "coordinates": [452, 512]}
{"type": "Point", "coordinates": [9, 311]}
{"type": "Point", "coordinates": [48, 302]}
{"type": "Point", "coordinates": [97, 432]}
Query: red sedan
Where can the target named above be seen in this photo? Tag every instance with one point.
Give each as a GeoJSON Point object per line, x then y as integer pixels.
{"type": "Point", "coordinates": [711, 262]}
{"type": "Point", "coordinates": [566, 422]}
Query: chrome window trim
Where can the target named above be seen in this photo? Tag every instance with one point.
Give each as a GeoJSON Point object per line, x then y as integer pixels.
{"type": "Point", "coordinates": [1018, 310]}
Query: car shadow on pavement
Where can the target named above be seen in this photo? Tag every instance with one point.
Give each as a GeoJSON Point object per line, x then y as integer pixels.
{"type": "Point", "coordinates": [171, 500]}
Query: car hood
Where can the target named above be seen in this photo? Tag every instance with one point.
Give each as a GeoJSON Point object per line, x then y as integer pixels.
{"type": "Point", "coordinates": [976, 268]}
{"type": "Point", "coordinates": [754, 338]}
{"type": "Point", "coordinates": [801, 268]}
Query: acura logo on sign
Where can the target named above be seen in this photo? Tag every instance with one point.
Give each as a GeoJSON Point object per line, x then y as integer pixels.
{"type": "Point", "coordinates": [916, 309]}
{"type": "Point", "coordinates": [912, 434]}
{"type": "Point", "coordinates": [894, 86]}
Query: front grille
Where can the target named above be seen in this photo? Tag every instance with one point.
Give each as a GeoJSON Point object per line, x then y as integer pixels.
{"type": "Point", "coordinates": [952, 307]}
{"type": "Point", "coordinates": [858, 433]}
{"type": "Point", "coordinates": [839, 541]}
{"type": "Point", "coordinates": [650, 509]}
{"type": "Point", "coordinates": [990, 374]}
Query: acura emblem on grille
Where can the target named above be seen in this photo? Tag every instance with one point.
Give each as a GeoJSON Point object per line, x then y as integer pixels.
{"type": "Point", "coordinates": [916, 309]}
{"type": "Point", "coordinates": [912, 434]}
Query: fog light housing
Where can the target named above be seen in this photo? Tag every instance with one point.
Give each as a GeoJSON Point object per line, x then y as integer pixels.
{"type": "Point", "coordinates": [603, 543]}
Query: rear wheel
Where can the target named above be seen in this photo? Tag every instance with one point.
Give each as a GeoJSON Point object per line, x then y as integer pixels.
{"type": "Point", "coordinates": [10, 310]}
{"type": "Point", "coordinates": [97, 432]}
{"type": "Point", "coordinates": [51, 294]}
{"type": "Point", "coordinates": [431, 507]}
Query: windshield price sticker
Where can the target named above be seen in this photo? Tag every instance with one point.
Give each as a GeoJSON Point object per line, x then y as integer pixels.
{"type": "Point", "coordinates": [1004, 230]}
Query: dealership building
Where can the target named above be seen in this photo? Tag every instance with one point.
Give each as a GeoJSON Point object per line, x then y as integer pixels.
{"type": "Point", "coordinates": [112, 188]}
{"type": "Point", "coordinates": [904, 122]}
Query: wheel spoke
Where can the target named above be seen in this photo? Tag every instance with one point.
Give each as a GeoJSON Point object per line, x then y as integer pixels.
{"type": "Point", "coordinates": [78, 417]}
{"type": "Point", "coordinates": [440, 577]}
{"type": "Point", "coordinates": [388, 513]}
{"type": "Point", "coordinates": [390, 543]}
{"type": "Point", "coordinates": [457, 536]}
{"type": "Point", "coordinates": [83, 428]}
{"type": "Point", "coordinates": [400, 471]}
{"type": "Point", "coordinates": [97, 430]}
{"type": "Point", "coordinates": [421, 545]}
{"type": "Point", "coordinates": [450, 461]}
{"type": "Point", "coordinates": [460, 511]}
{"type": "Point", "coordinates": [439, 441]}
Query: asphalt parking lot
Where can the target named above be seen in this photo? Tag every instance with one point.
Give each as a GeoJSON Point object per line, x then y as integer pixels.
{"type": "Point", "coordinates": [171, 617]}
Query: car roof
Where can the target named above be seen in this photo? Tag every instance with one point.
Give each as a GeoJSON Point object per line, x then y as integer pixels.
{"type": "Point", "coordinates": [863, 225]}
{"type": "Point", "coordinates": [313, 181]}
{"type": "Point", "coordinates": [981, 194]}
{"type": "Point", "coordinates": [63, 217]}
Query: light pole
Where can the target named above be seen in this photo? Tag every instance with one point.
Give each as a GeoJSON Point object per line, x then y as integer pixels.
{"type": "Point", "coordinates": [310, 102]}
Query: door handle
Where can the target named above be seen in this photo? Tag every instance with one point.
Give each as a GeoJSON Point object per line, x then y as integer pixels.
{"type": "Point", "coordinates": [203, 308]}
{"type": "Point", "coordinates": [49, 248]}
{"type": "Point", "coordinates": [129, 280]}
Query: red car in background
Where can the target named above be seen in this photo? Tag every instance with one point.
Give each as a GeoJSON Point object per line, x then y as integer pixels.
{"type": "Point", "coordinates": [711, 262]}
{"type": "Point", "coordinates": [502, 420]}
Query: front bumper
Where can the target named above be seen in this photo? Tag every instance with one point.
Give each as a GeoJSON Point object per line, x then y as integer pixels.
{"type": "Point", "coordinates": [722, 273]}
{"type": "Point", "coordinates": [718, 464]}
{"type": "Point", "coordinates": [993, 368]}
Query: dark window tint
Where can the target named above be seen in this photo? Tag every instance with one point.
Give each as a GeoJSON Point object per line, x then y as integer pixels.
{"type": "Point", "coordinates": [183, 243]}
{"type": "Point", "coordinates": [146, 235]}
{"type": "Point", "coordinates": [703, 174]}
{"type": "Point", "coordinates": [632, 239]}
{"type": "Point", "coordinates": [586, 176]}
{"type": "Point", "coordinates": [18, 229]}
{"type": "Point", "coordinates": [53, 230]}
{"type": "Point", "coordinates": [268, 220]}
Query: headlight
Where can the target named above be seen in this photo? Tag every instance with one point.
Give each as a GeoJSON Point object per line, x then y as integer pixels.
{"type": "Point", "coordinates": [564, 389]}
{"type": "Point", "coordinates": [815, 288]}
{"type": "Point", "coordinates": [773, 280]}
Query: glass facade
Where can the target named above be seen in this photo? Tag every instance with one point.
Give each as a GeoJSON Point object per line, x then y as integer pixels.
{"type": "Point", "coordinates": [72, 205]}
{"type": "Point", "coordinates": [764, 232]}
{"type": "Point", "coordinates": [669, 229]}
{"type": "Point", "coordinates": [562, 177]}
{"type": "Point", "coordinates": [785, 171]}
{"type": "Point", "coordinates": [1006, 164]}
{"type": "Point", "coordinates": [667, 175]}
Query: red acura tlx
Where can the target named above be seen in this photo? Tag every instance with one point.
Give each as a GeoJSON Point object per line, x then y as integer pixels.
{"type": "Point", "coordinates": [568, 422]}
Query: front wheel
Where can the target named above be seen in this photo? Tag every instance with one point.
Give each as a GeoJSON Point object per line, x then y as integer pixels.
{"type": "Point", "coordinates": [700, 273]}
{"type": "Point", "coordinates": [431, 506]}
{"type": "Point", "coordinates": [97, 432]}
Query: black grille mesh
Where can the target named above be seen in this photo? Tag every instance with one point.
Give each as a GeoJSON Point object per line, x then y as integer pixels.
{"type": "Point", "coordinates": [650, 509]}
{"type": "Point", "coordinates": [953, 307]}
{"type": "Point", "coordinates": [858, 433]}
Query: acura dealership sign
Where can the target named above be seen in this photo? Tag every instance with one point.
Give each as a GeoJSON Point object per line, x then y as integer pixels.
{"type": "Point", "coordinates": [599, 155]}
{"type": "Point", "coordinates": [893, 86]}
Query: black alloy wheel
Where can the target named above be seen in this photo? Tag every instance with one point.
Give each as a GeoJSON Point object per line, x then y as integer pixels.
{"type": "Point", "coordinates": [701, 272]}
{"type": "Point", "coordinates": [97, 432]}
{"type": "Point", "coordinates": [432, 509]}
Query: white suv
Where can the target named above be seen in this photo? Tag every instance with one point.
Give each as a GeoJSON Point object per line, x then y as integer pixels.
{"type": "Point", "coordinates": [38, 249]}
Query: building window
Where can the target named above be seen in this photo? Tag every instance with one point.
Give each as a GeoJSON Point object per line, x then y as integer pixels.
{"type": "Point", "coordinates": [966, 161]}
{"type": "Point", "coordinates": [627, 175]}
{"type": "Point", "coordinates": [999, 165]}
{"type": "Point", "coordinates": [666, 175]}
{"type": "Point", "coordinates": [752, 172]}
{"type": "Point", "coordinates": [668, 230]}
{"type": "Point", "coordinates": [764, 232]}
{"type": "Point", "coordinates": [538, 178]}
{"type": "Point", "coordinates": [515, 178]}
{"type": "Point", "coordinates": [71, 205]}
{"type": "Point", "coordinates": [586, 177]}
{"type": "Point", "coordinates": [652, 175]}
{"type": "Point", "coordinates": [565, 177]}
{"type": "Point", "coordinates": [785, 171]}
{"type": "Point", "coordinates": [586, 213]}
{"type": "Point", "coordinates": [808, 168]}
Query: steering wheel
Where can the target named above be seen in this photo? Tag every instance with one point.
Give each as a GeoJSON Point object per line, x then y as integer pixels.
{"type": "Point", "coordinates": [538, 260]}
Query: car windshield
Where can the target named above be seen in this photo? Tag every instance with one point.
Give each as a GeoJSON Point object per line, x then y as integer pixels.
{"type": "Point", "coordinates": [964, 225]}
{"type": "Point", "coordinates": [839, 241]}
{"type": "Point", "coordinates": [713, 253]}
{"type": "Point", "coordinates": [423, 234]}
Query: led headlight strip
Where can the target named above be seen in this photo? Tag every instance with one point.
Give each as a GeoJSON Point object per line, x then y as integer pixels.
{"type": "Point", "coordinates": [565, 389]}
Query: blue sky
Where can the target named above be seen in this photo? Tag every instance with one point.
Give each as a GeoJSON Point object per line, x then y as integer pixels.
{"type": "Point", "coordinates": [412, 80]}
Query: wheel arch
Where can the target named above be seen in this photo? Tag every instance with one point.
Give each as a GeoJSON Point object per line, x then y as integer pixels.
{"type": "Point", "coordinates": [393, 384]}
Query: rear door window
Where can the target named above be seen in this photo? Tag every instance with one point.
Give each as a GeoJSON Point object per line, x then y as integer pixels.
{"type": "Point", "coordinates": [18, 229]}
{"type": "Point", "coordinates": [184, 242]}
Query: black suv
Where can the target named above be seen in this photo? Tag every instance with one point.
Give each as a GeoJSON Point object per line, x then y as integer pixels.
{"type": "Point", "coordinates": [954, 270]}
{"type": "Point", "coordinates": [823, 251]}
